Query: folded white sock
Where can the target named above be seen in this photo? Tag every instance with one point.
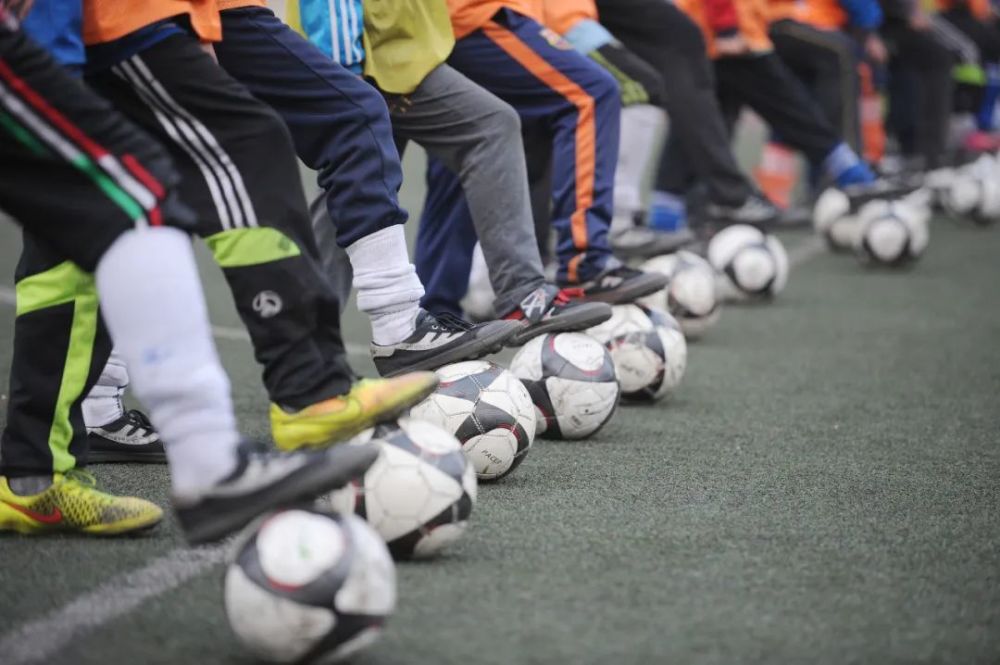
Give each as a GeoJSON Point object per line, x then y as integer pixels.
{"type": "Point", "coordinates": [640, 127]}
{"type": "Point", "coordinates": [103, 404]}
{"type": "Point", "coordinates": [389, 290]}
{"type": "Point", "coordinates": [153, 305]}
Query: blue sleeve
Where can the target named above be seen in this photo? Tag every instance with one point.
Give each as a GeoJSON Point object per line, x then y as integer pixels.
{"type": "Point", "coordinates": [56, 26]}
{"type": "Point", "coordinates": [864, 14]}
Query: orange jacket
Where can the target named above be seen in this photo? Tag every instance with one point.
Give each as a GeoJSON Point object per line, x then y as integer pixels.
{"type": "Point", "coordinates": [562, 15]}
{"type": "Point", "coordinates": [108, 20]}
{"type": "Point", "coordinates": [822, 14]}
{"type": "Point", "coordinates": [469, 15]}
{"type": "Point", "coordinates": [978, 8]}
{"type": "Point", "coordinates": [747, 17]}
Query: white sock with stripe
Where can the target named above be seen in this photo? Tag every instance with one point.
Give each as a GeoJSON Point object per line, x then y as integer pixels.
{"type": "Point", "coordinates": [640, 128]}
{"type": "Point", "coordinates": [389, 290]}
{"type": "Point", "coordinates": [154, 307]}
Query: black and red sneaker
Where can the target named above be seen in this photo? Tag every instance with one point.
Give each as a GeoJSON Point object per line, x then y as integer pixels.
{"type": "Point", "coordinates": [620, 284]}
{"type": "Point", "coordinates": [548, 309]}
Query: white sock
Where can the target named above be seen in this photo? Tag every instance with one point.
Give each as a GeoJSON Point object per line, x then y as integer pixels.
{"type": "Point", "coordinates": [103, 404]}
{"type": "Point", "coordinates": [640, 128]}
{"type": "Point", "coordinates": [389, 290]}
{"type": "Point", "coordinates": [153, 305]}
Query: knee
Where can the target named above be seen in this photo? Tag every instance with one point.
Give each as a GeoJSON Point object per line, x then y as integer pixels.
{"type": "Point", "coordinates": [504, 122]}
{"type": "Point", "coordinates": [602, 87]}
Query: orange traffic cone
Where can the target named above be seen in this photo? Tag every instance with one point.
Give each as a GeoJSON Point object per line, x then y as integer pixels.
{"type": "Point", "coordinates": [777, 173]}
{"type": "Point", "coordinates": [872, 127]}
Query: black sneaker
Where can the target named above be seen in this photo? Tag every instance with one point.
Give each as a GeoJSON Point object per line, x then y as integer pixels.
{"type": "Point", "coordinates": [264, 480]}
{"type": "Point", "coordinates": [551, 309]}
{"type": "Point", "coordinates": [756, 210]}
{"type": "Point", "coordinates": [621, 284]}
{"type": "Point", "coordinates": [131, 438]}
{"type": "Point", "coordinates": [440, 340]}
{"type": "Point", "coordinates": [643, 242]}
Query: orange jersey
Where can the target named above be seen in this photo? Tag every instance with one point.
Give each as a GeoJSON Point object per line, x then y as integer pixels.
{"type": "Point", "coordinates": [822, 14]}
{"type": "Point", "coordinates": [751, 22]}
{"type": "Point", "coordinates": [978, 8]}
{"type": "Point", "coordinates": [562, 15]}
{"type": "Point", "coordinates": [108, 20]}
{"type": "Point", "coordinates": [469, 15]}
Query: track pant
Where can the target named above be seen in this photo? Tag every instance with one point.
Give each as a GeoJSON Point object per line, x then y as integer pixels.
{"type": "Point", "coordinates": [473, 140]}
{"type": "Point", "coordinates": [826, 62]}
{"type": "Point", "coordinates": [575, 105]}
{"type": "Point", "coordinates": [763, 83]}
{"type": "Point", "coordinates": [664, 37]}
{"type": "Point", "coordinates": [76, 175]}
{"type": "Point", "coordinates": [239, 173]}
{"type": "Point", "coordinates": [919, 58]}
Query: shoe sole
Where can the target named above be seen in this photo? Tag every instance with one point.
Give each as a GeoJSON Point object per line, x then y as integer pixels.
{"type": "Point", "coordinates": [343, 464]}
{"type": "Point", "coordinates": [125, 457]}
{"type": "Point", "coordinates": [489, 341]}
{"type": "Point", "coordinates": [631, 290]}
{"type": "Point", "coordinates": [589, 315]}
{"type": "Point", "coordinates": [11, 521]}
{"type": "Point", "coordinates": [654, 249]}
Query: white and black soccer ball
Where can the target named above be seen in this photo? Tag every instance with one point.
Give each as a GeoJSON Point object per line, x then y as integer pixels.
{"type": "Point", "coordinates": [833, 219]}
{"type": "Point", "coordinates": [571, 380]}
{"type": "Point", "coordinates": [748, 263]}
{"type": "Point", "coordinates": [648, 349]}
{"type": "Point", "coordinates": [419, 493]}
{"type": "Point", "coordinates": [488, 410]}
{"type": "Point", "coordinates": [308, 585]}
{"type": "Point", "coordinates": [689, 295]}
{"type": "Point", "coordinates": [973, 191]}
{"type": "Point", "coordinates": [892, 233]}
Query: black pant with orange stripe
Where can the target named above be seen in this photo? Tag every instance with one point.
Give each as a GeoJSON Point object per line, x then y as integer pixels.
{"type": "Point", "coordinates": [567, 100]}
{"type": "Point", "coordinates": [75, 175]}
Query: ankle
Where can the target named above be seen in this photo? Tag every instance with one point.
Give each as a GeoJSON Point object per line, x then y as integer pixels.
{"type": "Point", "coordinates": [29, 485]}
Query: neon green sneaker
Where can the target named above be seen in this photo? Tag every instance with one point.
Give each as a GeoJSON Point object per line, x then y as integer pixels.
{"type": "Point", "coordinates": [370, 402]}
{"type": "Point", "coordinates": [73, 503]}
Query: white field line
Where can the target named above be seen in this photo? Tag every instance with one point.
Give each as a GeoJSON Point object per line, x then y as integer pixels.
{"type": "Point", "coordinates": [38, 640]}
{"type": "Point", "coordinates": [227, 333]}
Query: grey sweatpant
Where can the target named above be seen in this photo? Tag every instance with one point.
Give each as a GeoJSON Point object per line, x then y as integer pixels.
{"type": "Point", "coordinates": [477, 136]}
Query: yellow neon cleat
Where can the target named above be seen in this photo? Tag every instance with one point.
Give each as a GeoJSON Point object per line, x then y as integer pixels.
{"type": "Point", "coordinates": [73, 503]}
{"type": "Point", "coordinates": [370, 402]}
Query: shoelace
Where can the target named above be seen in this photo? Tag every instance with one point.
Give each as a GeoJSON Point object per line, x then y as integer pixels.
{"type": "Point", "coordinates": [450, 322]}
{"type": "Point", "coordinates": [567, 295]}
{"type": "Point", "coordinates": [138, 421]}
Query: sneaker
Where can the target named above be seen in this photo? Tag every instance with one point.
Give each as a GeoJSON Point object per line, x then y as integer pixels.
{"type": "Point", "coordinates": [131, 438]}
{"type": "Point", "coordinates": [264, 480]}
{"type": "Point", "coordinates": [756, 210]}
{"type": "Point", "coordinates": [621, 284]}
{"type": "Point", "coordinates": [439, 340]}
{"type": "Point", "coordinates": [643, 242]}
{"type": "Point", "coordinates": [369, 402]}
{"type": "Point", "coordinates": [73, 503]}
{"type": "Point", "coordinates": [549, 309]}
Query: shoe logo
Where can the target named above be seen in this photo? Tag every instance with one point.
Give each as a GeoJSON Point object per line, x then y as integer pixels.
{"type": "Point", "coordinates": [51, 518]}
{"type": "Point", "coordinates": [534, 304]}
{"type": "Point", "coordinates": [267, 304]}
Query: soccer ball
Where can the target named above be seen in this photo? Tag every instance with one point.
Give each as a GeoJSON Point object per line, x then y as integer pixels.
{"type": "Point", "coordinates": [304, 584]}
{"type": "Point", "coordinates": [749, 264]}
{"type": "Point", "coordinates": [488, 410]}
{"type": "Point", "coordinates": [973, 192]}
{"type": "Point", "coordinates": [833, 219]}
{"type": "Point", "coordinates": [891, 233]}
{"type": "Point", "coordinates": [689, 295]}
{"type": "Point", "coordinates": [571, 380]}
{"type": "Point", "coordinates": [418, 494]}
{"type": "Point", "coordinates": [648, 349]}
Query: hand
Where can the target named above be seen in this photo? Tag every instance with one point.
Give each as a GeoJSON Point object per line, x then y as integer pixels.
{"type": "Point", "coordinates": [875, 49]}
{"type": "Point", "coordinates": [919, 20]}
{"type": "Point", "coordinates": [734, 44]}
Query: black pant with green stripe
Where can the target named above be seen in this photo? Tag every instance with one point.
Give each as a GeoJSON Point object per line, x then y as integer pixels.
{"type": "Point", "coordinates": [75, 175]}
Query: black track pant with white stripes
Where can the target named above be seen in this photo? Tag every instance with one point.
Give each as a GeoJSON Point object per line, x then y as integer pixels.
{"type": "Point", "coordinates": [240, 175]}
{"type": "Point", "coordinates": [75, 175]}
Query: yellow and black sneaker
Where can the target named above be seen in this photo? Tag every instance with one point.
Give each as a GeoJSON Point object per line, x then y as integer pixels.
{"type": "Point", "coordinates": [369, 402]}
{"type": "Point", "coordinates": [73, 503]}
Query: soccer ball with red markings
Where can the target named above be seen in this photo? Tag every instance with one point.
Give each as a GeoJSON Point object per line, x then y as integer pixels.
{"type": "Point", "coordinates": [304, 584]}
{"type": "Point", "coordinates": [488, 410]}
{"type": "Point", "coordinates": [420, 491]}
{"type": "Point", "coordinates": [571, 380]}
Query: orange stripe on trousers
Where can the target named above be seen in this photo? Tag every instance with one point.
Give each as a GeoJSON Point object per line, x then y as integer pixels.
{"type": "Point", "coordinates": [586, 129]}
